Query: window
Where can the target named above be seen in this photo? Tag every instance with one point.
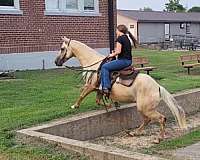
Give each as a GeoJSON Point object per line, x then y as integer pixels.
{"type": "Point", "coordinates": [9, 7]}
{"type": "Point", "coordinates": [71, 4]}
{"type": "Point", "coordinates": [7, 3]}
{"type": "Point", "coordinates": [132, 29]}
{"type": "Point", "coordinates": [89, 5]}
{"type": "Point", "coordinates": [188, 28]}
{"type": "Point", "coordinates": [132, 26]}
{"type": "Point", "coordinates": [72, 7]}
{"type": "Point", "coordinates": [52, 5]}
{"type": "Point", "coordinates": [182, 25]}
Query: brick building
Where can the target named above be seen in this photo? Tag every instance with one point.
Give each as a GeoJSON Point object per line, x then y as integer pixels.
{"type": "Point", "coordinates": [29, 26]}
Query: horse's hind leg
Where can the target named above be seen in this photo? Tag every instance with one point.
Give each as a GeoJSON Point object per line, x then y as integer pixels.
{"type": "Point", "coordinates": [139, 130]}
{"type": "Point", "coordinates": [147, 107]}
{"type": "Point", "coordinates": [154, 115]}
{"type": "Point", "coordinates": [146, 121]}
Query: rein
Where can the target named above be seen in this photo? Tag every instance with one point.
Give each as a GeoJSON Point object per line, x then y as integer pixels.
{"type": "Point", "coordinates": [79, 69]}
{"type": "Point", "coordinates": [94, 63]}
{"type": "Point", "coordinates": [82, 68]}
{"type": "Point", "coordinates": [76, 68]}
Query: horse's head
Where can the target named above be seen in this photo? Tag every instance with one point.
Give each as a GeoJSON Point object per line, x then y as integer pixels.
{"type": "Point", "coordinates": [65, 52]}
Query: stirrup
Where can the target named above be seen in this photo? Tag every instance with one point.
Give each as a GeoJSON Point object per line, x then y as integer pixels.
{"type": "Point", "coordinates": [106, 92]}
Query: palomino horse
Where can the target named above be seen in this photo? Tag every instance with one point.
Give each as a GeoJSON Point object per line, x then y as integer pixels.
{"type": "Point", "coordinates": [145, 91]}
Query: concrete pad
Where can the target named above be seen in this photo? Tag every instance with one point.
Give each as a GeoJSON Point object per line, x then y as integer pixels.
{"type": "Point", "coordinates": [191, 152]}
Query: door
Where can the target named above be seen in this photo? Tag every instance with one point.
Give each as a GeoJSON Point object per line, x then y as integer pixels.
{"type": "Point", "coordinates": [167, 31]}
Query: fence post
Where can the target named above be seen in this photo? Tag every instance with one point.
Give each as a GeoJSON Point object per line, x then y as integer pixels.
{"type": "Point", "coordinates": [43, 64]}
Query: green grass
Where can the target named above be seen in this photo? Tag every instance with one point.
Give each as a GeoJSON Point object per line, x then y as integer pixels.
{"type": "Point", "coordinates": [36, 97]}
{"type": "Point", "coordinates": [169, 71]}
{"type": "Point", "coordinates": [39, 96]}
{"type": "Point", "coordinates": [180, 142]}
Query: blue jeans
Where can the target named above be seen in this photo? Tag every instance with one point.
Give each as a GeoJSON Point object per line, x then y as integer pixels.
{"type": "Point", "coordinates": [109, 67]}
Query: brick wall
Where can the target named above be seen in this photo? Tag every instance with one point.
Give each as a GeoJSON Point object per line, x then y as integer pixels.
{"type": "Point", "coordinates": [33, 31]}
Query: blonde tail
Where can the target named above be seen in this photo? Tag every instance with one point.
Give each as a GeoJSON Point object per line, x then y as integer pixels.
{"type": "Point", "coordinates": [176, 110]}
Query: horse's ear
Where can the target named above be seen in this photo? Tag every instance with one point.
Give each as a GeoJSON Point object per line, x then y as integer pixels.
{"type": "Point", "coordinates": [65, 39]}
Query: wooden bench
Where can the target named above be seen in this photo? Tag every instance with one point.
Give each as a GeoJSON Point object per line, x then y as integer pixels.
{"type": "Point", "coordinates": [192, 60]}
{"type": "Point", "coordinates": [142, 61]}
{"type": "Point", "coordinates": [7, 74]}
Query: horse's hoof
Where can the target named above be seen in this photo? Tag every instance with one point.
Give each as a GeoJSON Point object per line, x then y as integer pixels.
{"type": "Point", "coordinates": [74, 107]}
{"type": "Point", "coordinates": [128, 133]}
{"type": "Point", "coordinates": [117, 105]}
{"type": "Point", "coordinates": [157, 140]}
{"type": "Point", "coordinates": [138, 133]}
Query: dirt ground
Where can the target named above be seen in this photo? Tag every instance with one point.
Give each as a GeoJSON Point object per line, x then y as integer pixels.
{"type": "Point", "coordinates": [151, 132]}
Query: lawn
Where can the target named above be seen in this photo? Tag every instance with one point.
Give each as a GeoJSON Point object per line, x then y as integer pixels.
{"type": "Point", "coordinates": [186, 140]}
{"type": "Point", "coordinates": [170, 73]}
{"type": "Point", "coordinates": [39, 96]}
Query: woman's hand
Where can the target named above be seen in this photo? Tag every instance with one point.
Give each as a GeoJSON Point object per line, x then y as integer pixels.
{"type": "Point", "coordinates": [116, 51]}
{"type": "Point", "coordinates": [112, 54]}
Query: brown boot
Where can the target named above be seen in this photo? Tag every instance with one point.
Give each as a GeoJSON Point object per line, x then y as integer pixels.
{"type": "Point", "coordinates": [106, 92]}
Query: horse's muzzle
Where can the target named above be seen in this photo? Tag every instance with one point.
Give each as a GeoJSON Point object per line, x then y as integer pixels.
{"type": "Point", "coordinates": [58, 63]}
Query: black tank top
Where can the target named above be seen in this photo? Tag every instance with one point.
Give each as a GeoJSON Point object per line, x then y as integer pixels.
{"type": "Point", "coordinates": [126, 47]}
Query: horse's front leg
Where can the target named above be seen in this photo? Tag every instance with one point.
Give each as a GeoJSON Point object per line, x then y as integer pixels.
{"type": "Point", "coordinates": [87, 89]}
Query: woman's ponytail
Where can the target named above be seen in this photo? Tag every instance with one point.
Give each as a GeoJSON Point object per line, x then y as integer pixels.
{"type": "Point", "coordinates": [122, 28]}
{"type": "Point", "coordinates": [133, 39]}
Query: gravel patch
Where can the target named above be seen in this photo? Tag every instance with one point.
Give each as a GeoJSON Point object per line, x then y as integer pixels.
{"type": "Point", "coordinates": [145, 140]}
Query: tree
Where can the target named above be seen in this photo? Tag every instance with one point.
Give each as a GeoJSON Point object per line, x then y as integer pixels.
{"type": "Point", "coordinates": [174, 6]}
{"type": "Point", "coordinates": [194, 9]}
{"type": "Point", "coordinates": [146, 9]}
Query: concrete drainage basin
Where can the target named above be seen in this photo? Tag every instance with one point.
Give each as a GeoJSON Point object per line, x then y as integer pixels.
{"type": "Point", "coordinates": [74, 133]}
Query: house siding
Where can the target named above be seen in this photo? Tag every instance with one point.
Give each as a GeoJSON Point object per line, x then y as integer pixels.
{"type": "Point", "coordinates": [151, 24]}
{"type": "Point", "coordinates": [127, 21]}
{"type": "Point", "coordinates": [194, 29]}
{"type": "Point", "coordinates": [150, 32]}
{"type": "Point", "coordinates": [33, 31]}
{"type": "Point", "coordinates": [155, 32]}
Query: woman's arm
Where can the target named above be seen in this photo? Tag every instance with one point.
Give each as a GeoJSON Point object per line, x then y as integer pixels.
{"type": "Point", "coordinates": [117, 50]}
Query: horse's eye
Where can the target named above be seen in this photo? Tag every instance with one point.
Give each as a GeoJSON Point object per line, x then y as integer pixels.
{"type": "Point", "coordinates": [62, 49]}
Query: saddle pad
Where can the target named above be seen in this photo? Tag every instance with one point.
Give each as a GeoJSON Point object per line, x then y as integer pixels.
{"type": "Point", "coordinates": [127, 80]}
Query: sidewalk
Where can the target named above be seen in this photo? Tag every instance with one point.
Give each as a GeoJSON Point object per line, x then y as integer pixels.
{"type": "Point", "coordinates": [191, 152]}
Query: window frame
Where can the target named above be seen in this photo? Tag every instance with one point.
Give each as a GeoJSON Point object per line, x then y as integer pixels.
{"type": "Point", "coordinates": [182, 25]}
{"type": "Point", "coordinates": [11, 9]}
{"type": "Point", "coordinates": [188, 28]}
{"type": "Point", "coordinates": [62, 10]}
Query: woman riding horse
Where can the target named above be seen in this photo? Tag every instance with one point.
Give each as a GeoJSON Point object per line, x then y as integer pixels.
{"type": "Point", "coordinates": [145, 91]}
{"type": "Point", "coordinates": [125, 41]}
